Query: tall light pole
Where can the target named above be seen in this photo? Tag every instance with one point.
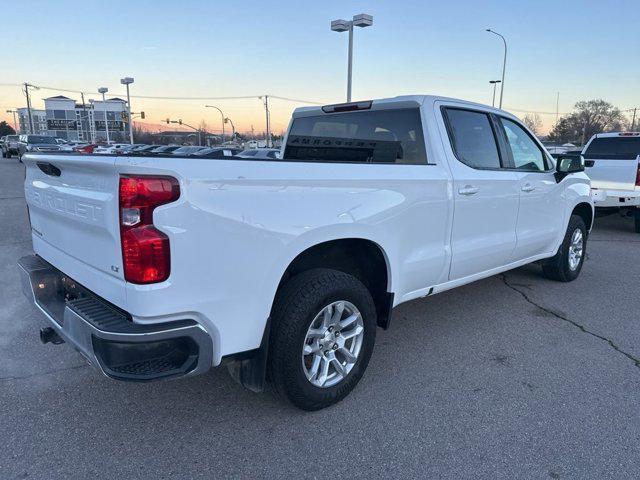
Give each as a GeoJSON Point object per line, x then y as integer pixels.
{"type": "Point", "coordinates": [15, 124]}
{"type": "Point", "coordinates": [128, 81]}
{"type": "Point", "coordinates": [222, 115]}
{"type": "Point", "coordinates": [361, 20]}
{"type": "Point", "coordinates": [504, 62]}
{"type": "Point", "coordinates": [104, 90]}
{"type": "Point", "coordinates": [494, 82]}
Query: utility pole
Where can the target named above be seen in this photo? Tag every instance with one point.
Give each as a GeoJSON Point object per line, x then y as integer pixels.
{"type": "Point", "coordinates": [266, 109]}
{"type": "Point", "coordinates": [84, 120]}
{"type": "Point", "coordinates": [557, 107]}
{"type": "Point", "coordinates": [26, 91]}
{"type": "Point", "coordinates": [633, 121]}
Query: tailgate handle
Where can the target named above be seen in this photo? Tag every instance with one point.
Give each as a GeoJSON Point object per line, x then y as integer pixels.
{"type": "Point", "coordinates": [49, 169]}
{"type": "Point", "coordinates": [589, 163]}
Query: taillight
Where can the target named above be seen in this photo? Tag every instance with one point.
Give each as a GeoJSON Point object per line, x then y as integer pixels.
{"type": "Point", "coordinates": [146, 253]}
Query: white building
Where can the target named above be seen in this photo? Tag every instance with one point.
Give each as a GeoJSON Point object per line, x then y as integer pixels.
{"type": "Point", "coordinates": [64, 118]}
{"type": "Point", "coordinates": [39, 118]}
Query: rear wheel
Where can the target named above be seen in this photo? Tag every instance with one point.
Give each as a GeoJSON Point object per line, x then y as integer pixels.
{"type": "Point", "coordinates": [566, 265]}
{"type": "Point", "coordinates": [636, 219]}
{"type": "Point", "coordinates": [322, 336]}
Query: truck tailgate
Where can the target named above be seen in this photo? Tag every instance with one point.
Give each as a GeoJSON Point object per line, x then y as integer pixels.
{"type": "Point", "coordinates": [73, 207]}
{"type": "Point", "coordinates": [612, 174]}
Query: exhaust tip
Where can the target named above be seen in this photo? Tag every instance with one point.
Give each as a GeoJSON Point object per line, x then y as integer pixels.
{"type": "Point", "coordinates": [49, 335]}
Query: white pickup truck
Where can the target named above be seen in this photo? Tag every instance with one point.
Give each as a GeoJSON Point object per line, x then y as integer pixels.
{"type": "Point", "coordinates": [613, 165]}
{"type": "Point", "coordinates": [157, 267]}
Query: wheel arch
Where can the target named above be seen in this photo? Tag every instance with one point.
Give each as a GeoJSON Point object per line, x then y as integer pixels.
{"type": "Point", "coordinates": [361, 257]}
{"type": "Point", "coordinates": [249, 368]}
{"type": "Point", "coordinates": [585, 211]}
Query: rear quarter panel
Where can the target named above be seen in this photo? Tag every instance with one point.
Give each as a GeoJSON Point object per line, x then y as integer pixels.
{"type": "Point", "coordinates": [238, 225]}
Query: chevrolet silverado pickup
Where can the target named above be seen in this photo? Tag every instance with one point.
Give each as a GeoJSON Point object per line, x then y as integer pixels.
{"type": "Point", "coordinates": [613, 165]}
{"type": "Point", "coordinates": [282, 269]}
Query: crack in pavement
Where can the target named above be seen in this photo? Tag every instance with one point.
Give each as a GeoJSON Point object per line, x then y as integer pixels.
{"type": "Point", "coordinates": [617, 241]}
{"type": "Point", "coordinates": [610, 342]}
{"type": "Point", "coordinates": [42, 374]}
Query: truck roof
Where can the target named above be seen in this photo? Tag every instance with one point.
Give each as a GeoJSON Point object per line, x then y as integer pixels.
{"type": "Point", "coordinates": [401, 101]}
{"type": "Point", "coordinates": [616, 134]}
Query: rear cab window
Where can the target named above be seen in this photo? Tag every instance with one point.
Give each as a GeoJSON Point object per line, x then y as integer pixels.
{"type": "Point", "coordinates": [613, 148]}
{"type": "Point", "coordinates": [372, 136]}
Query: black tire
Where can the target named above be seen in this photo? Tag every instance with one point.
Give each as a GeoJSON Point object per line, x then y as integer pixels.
{"type": "Point", "coordinates": [558, 268]}
{"type": "Point", "coordinates": [636, 219]}
{"type": "Point", "coordinates": [295, 307]}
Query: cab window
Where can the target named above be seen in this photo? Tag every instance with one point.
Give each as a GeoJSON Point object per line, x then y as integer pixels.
{"type": "Point", "coordinates": [472, 138]}
{"type": "Point", "coordinates": [527, 155]}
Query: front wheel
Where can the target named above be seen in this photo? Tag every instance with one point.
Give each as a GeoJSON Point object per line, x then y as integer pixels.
{"type": "Point", "coordinates": [322, 336]}
{"type": "Point", "coordinates": [566, 265]}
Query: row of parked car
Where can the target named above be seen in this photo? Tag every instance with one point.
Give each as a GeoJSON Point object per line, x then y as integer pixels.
{"type": "Point", "coordinates": [219, 151]}
{"type": "Point", "coordinates": [20, 144]}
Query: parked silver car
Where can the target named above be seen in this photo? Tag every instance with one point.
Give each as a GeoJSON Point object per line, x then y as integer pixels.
{"type": "Point", "coordinates": [36, 143]}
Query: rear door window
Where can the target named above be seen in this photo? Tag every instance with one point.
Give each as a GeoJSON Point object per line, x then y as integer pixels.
{"type": "Point", "coordinates": [374, 136]}
{"type": "Point", "coordinates": [472, 138]}
{"type": "Point", "coordinates": [613, 148]}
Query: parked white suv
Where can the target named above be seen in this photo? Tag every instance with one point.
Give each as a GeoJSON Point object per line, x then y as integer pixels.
{"type": "Point", "coordinates": [282, 268]}
{"type": "Point", "coordinates": [613, 165]}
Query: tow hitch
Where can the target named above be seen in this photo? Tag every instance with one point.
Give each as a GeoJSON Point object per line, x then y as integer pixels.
{"type": "Point", "coordinates": [49, 335]}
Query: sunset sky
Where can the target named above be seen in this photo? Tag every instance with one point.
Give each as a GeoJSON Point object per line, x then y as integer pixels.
{"type": "Point", "coordinates": [582, 49]}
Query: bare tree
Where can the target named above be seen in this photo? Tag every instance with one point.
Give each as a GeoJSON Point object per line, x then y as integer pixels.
{"type": "Point", "coordinates": [533, 123]}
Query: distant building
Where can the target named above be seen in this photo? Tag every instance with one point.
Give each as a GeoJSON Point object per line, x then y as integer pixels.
{"type": "Point", "coordinates": [39, 118]}
{"type": "Point", "coordinates": [64, 118]}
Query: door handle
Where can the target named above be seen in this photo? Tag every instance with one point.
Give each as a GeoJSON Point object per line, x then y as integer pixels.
{"type": "Point", "coordinates": [527, 187]}
{"type": "Point", "coordinates": [468, 190]}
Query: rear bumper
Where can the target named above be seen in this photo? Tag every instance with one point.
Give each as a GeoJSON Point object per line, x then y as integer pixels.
{"type": "Point", "coordinates": [615, 198]}
{"type": "Point", "coordinates": [106, 336]}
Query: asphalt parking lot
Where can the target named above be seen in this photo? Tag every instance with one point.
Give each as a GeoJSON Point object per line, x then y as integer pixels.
{"type": "Point", "coordinates": [511, 377]}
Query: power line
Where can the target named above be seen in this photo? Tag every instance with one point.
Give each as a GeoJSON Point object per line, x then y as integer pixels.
{"type": "Point", "coordinates": [244, 97]}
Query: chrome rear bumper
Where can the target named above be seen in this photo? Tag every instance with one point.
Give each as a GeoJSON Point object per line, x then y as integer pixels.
{"type": "Point", "coordinates": [106, 336]}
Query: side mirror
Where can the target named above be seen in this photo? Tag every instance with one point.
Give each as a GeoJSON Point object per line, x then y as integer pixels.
{"type": "Point", "coordinates": [566, 164]}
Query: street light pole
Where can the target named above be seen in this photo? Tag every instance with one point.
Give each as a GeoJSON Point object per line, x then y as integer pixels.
{"type": "Point", "coordinates": [361, 20]}
{"type": "Point", "coordinates": [233, 128]}
{"type": "Point", "coordinates": [104, 90]}
{"type": "Point", "coordinates": [504, 62]}
{"type": "Point", "coordinates": [127, 81]}
{"type": "Point", "coordinates": [494, 82]}
{"type": "Point", "coordinates": [222, 115]}
{"type": "Point", "coordinates": [15, 124]}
